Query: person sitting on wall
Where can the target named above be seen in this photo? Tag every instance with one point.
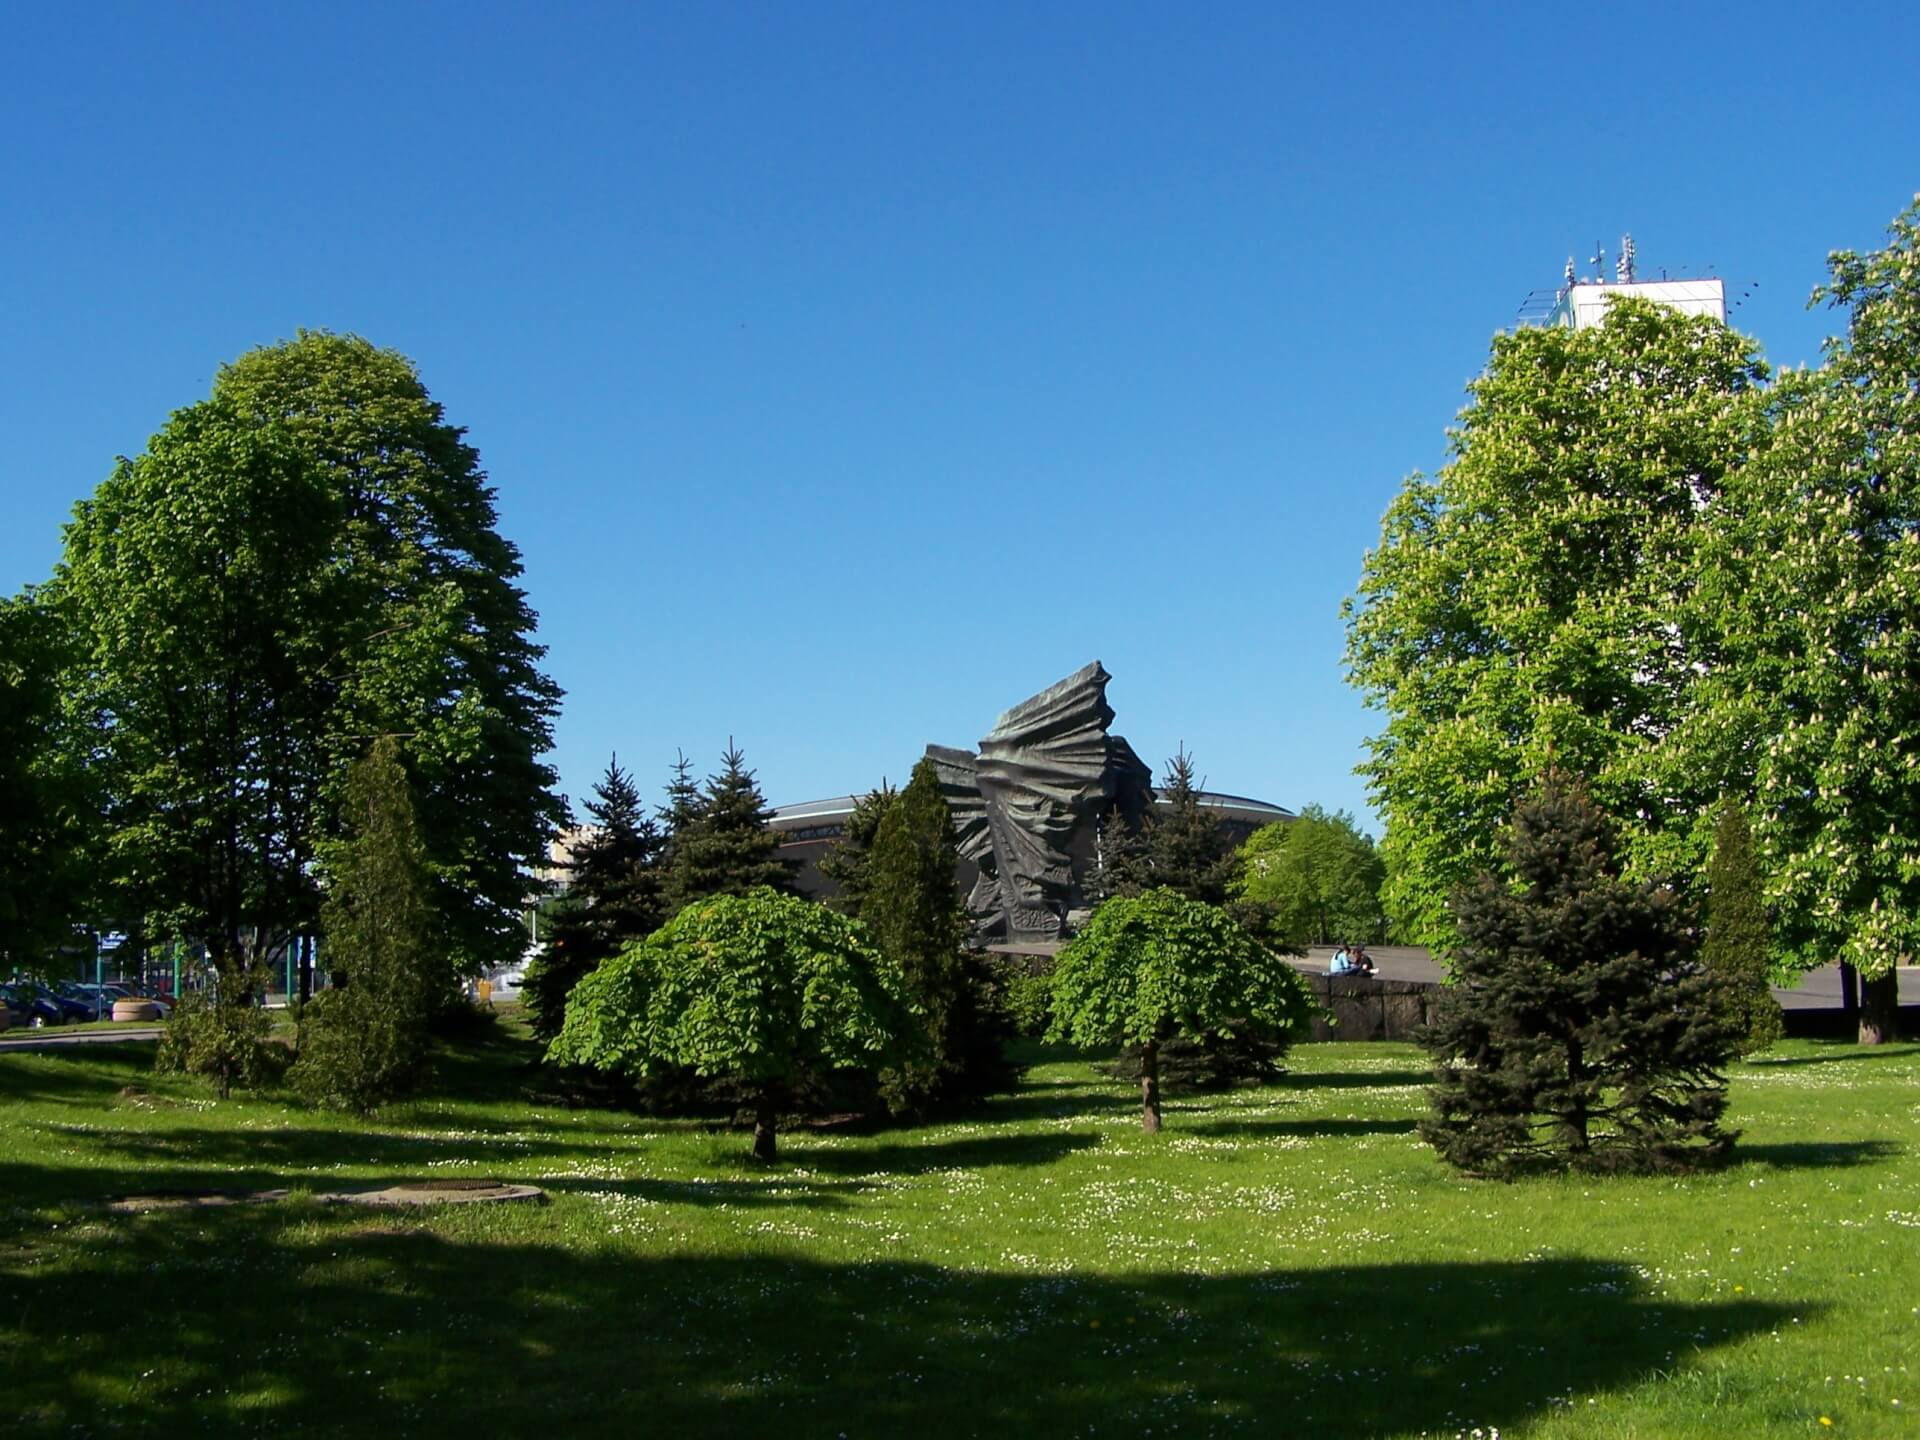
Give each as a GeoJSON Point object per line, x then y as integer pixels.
{"type": "Point", "coordinates": [1361, 962]}
{"type": "Point", "coordinates": [1342, 963]}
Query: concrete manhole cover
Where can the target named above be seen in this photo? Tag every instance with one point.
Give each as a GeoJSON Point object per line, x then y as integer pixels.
{"type": "Point", "coordinates": [191, 1200]}
{"type": "Point", "coordinates": [439, 1192]}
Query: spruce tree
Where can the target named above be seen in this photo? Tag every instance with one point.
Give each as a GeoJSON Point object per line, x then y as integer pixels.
{"type": "Point", "coordinates": [684, 801]}
{"type": "Point", "coordinates": [727, 848]}
{"type": "Point", "coordinates": [1738, 946]}
{"type": "Point", "coordinates": [1184, 847]}
{"type": "Point", "coordinates": [615, 893]}
{"type": "Point", "coordinates": [1580, 1027]}
{"type": "Point", "coordinates": [846, 863]}
{"type": "Point", "coordinates": [912, 908]}
{"type": "Point", "coordinates": [364, 1041]}
{"type": "Point", "coordinates": [1119, 859]}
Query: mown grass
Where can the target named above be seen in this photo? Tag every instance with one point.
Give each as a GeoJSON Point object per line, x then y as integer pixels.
{"type": "Point", "coordinates": [1288, 1260]}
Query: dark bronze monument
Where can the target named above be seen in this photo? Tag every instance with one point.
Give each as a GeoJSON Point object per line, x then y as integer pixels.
{"type": "Point", "coordinates": [1027, 807]}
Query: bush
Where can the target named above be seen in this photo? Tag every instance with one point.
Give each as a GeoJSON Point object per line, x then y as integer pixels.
{"type": "Point", "coordinates": [221, 1033]}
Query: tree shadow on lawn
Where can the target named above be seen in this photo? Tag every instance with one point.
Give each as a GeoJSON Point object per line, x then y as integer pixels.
{"type": "Point", "coordinates": [1354, 1079]}
{"type": "Point", "coordinates": [1816, 1154]}
{"type": "Point", "coordinates": [1304, 1129]}
{"type": "Point", "coordinates": [1837, 1052]}
{"type": "Point", "coordinates": [333, 1324]}
{"type": "Point", "coordinates": [972, 1152]}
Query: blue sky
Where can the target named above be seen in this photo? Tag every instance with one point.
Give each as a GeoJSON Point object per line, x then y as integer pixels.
{"type": "Point", "coordinates": [847, 373]}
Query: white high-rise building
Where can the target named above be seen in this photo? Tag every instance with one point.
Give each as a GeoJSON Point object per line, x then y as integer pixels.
{"type": "Point", "coordinates": [1580, 302]}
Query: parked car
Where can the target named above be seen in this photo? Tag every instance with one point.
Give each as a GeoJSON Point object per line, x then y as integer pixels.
{"type": "Point", "coordinates": [71, 1008]}
{"type": "Point", "coordinates": [95, 997]}
{"type": "Point", "coordinates": [29, 1008]}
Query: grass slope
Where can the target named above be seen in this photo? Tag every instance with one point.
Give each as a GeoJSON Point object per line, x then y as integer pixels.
{"type": "Point", "coordinates": [1284, 1261]}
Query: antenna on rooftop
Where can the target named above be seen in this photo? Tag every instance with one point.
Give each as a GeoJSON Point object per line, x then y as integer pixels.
{"type": "Point", "coordinates": [1623, 270]}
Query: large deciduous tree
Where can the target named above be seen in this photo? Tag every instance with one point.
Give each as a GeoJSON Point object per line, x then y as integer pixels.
{"type": "Point", "coordinates": [304, 561]}
{"type": "Point", "coordinates": [1152, 967]}
{"type": "Point", "coordinates": [1819, 580]}
{"type": "Point", "coordinates": [1580, 1027]}
{"type": "Point", "coordinates": [45, 816]}
{"type": "Point", "coordinates": [764, 989]}
{"type": "Point", "coordinates": [1314, 880]}
{"type": "Point", "coordinates": [1530, 605]}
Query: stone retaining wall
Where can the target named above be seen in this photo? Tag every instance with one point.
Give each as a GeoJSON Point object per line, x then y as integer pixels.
{"type": "Point", "coordinates": [1364, 1008]}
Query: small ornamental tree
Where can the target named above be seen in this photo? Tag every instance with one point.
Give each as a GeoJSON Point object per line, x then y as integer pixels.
{"type": "Point", "coordinates": [1579, 1027]}
{"type": "Point", "coordinates": [1738, 945]}
{"type": "Point", "coordinates": [762, 988]}
{"type": "Point", "coordinates": [1157, 966]}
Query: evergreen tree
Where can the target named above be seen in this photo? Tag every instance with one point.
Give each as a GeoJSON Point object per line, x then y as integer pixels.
{"type": "Point", "coordinates": [846, 864]}
{"type": "Point", "coordinates": [364, 1041]}
{"type": "Point", "coordinates": [1185, 849]}
{"type": "Point", "coordinates": [727, 848]}
{"type": "Point", "coordinates": [684, 802]}
{"type": "Point", "coordinates": [1579, 1027]}
{"type": "Point", "coordinates": [912, 908]}
{"type": "Point", "coordinates": [1738, 946]}
{"type": "Point", "coordinates": [1119, 859]}
{"type": "Point", "coordinates": [615, 893]}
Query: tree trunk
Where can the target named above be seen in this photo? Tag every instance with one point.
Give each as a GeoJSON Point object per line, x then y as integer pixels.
{"type": "Point", "coordinates": [306, 968]}
{"type": "Point", "coordinates": [766, 1113]}
{"type": "Point", "coordinates": [1849, 989]}
{"type": "Point", "coordinates": [1576, 1119]}
{"type": "Point", "coordinates": [1880, 1008]}
{"type": "Point", "coordinates": [1150, 1086]}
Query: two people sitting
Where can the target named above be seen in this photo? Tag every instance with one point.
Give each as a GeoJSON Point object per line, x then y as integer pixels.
{"type": "Point", "coordinates": [1351, 960]}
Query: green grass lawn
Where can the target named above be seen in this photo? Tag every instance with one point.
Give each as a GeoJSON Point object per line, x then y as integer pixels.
{"type": "Point", "coordinates": [1284, 1261]}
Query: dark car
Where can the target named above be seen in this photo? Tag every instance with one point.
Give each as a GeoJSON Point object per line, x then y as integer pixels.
{"type": "Point", "coordinates": [71, 1008]}
{"type": "Point", "coordinates": [29, 1008]}
{"type": "Point", "coordinates": [98, 1003]}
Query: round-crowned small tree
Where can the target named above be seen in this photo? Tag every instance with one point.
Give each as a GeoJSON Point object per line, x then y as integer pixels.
{"type": "Point", "coordinates": [761, 988]}
{"type": "Point", "coordinates": [1155, 966]}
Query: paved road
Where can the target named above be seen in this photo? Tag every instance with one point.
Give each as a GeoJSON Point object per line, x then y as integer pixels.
{"type": "Point", "coordinates": [1817, 990]}
{"type": "Point", "coordinates": [56, 1036]}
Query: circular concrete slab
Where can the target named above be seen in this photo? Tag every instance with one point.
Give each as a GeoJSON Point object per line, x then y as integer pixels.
{"type": "Point", "coordinates": [191, 1200]}
{"type": "Point", "coordinates": [439, 1192]}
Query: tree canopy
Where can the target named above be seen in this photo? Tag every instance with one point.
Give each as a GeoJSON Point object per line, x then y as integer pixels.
{"type": "Point", "coordinates": [1152, 967]}
{"type": "Point", "coordinates": [305, 561]}
{"type": "Point", "coordinates": [45, 816]}
{"type": "Point", "coordinates": [1532, 605]}
{"type": "Point", "coordinates": [762, 987]}
{"type": "Point", "coordinates": [1316, 879]}
{"type": "Point", "coordinates": [1817, 575]}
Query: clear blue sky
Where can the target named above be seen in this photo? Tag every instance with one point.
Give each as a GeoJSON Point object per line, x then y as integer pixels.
{"type": "Point", "coordinates": [849, 372]}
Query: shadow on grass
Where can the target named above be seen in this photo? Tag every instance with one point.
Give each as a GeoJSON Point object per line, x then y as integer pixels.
{"type": "Point", "coordinates": [973, 1152]}
{"type": "Point", "coordinates": [332, 1324]}
{"type": "Point", "coordinates": [1302, 1129]}
{"type": "Point", "coordinates": [1356, 1079]}
{"type": "Point", "coordinates": [1838, 1051]}
{"type": "Point", "coordinates": [1816, 1154]}
{"type": "Point", "coordinates": [774, 1192]}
